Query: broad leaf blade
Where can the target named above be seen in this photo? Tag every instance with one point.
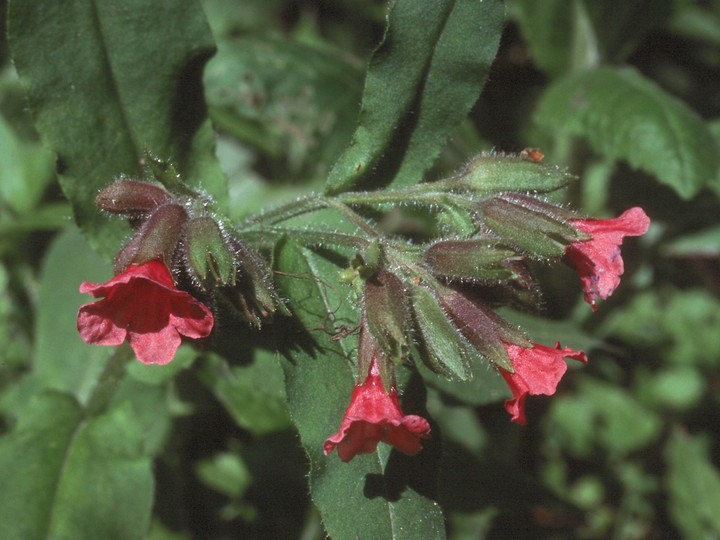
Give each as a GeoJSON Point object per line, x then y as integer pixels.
{"type": "Point", "coordinates": [70, 478]}
{"type": "Point", "coordinates": [567, 34]}
{"type": "Point", "coordinates": [292, 101]}
{"type": "Point", "coordinates": [253, 394]}
{"type": "Point", "coordinates": [380, 495]}
{"type": "Point", "coordinates": [626, 116]}
{"type": "Point", "coordinates": [100, 100]}
{"type": "Point", "coordinates": [693, 486]}
{"type": "Point", "coordinates": [61, 360]}
{"type": "Point", "coordinates": [421, 83]}
{"type": "Point", "coordinates": [485, 385]}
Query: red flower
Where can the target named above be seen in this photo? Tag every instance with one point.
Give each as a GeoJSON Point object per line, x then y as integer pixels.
{"type": "Point", "coordinates": [373, 416]}
{"type": "Point", "coordinates": [143, 306]}
{"type": "Point", "coordinates": [538, 370]}
{"type": "Point", "coordinates": [597, 260]}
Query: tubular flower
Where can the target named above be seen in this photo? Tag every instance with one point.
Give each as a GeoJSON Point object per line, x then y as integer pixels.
{"type": "Point", "coordinates": [143, 306]}
{"type": "Point", "coordinates": [538, 370]}
{"type": "Point", "coordinates": [597, 260]}
{"type": "Point", "coordinates": [374, 415]}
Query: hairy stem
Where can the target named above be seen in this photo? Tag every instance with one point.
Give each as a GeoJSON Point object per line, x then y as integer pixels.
{"type": "Point", "coordinates": [105, 387]}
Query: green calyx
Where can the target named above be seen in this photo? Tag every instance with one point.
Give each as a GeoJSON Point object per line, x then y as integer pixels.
{"type": "Point", "coordinates": [492, 173]}
{"type": "Point", "coordinates": [208, 254]}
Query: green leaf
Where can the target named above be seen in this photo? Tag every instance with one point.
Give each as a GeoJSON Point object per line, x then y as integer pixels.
{"type": "Point", "coordinates": [695, 21]}
{"type": "Point", "coordinates": [253, 394]}
{"type": "Point", "coordinates": [100, 100]}
{"type": "Point", "coordinates": [421, 83]}
{"type": "Point", "coordinates": [225, 472]}
{"type": "Point", "coordinates": [566, 35]}
{"type": "Point", "coordinates": [62, 361]}
{"type": "Point", "coordinates": [603, 416]}
{"type": "Point", "coordinates": [485, 384]}
{"type": "Point", "coordinates": [663, 320]}
{"type": "Point", "coordinates": [379, 495]}
{"type": "Point", "coordinates": [623, 115]}
{"type": "Point", "coordinates": [548, 28]}
{"type": "Point", "coordinates": [693, 487]}
{"type": "Point", "coordinates": [704, 243]}
{"type": "Point", "coordinates": [27, 170]}
{"type": "Point", "coordinates": [290, 100]}
{"type": "Point", "coordinates": [70, 478]}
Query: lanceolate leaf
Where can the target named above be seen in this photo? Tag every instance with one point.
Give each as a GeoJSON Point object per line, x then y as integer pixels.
{"type": "Point", "coordinates": [66, 477]}
{"type": "Point", "coordinates": [107, 81]}
{"type": "Point", "coordinates": [626, 116]}
{"type": "Point", "coordinates": [379, 495]}
{"type": "Point", "coordinates": [421, 83]}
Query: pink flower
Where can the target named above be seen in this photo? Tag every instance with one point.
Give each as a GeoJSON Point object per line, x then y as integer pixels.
{"type": "Point", "coordinates": [374, 415]}
{"type": "Point", "coordinates": [597, 260]}
{"type": "Point", "coordinates": [143, 306]}
{"type": "Point", "coordinates": [538, 370]}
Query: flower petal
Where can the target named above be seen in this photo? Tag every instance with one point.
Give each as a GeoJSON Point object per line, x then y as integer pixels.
{"type": "Point", "coordinates": [374, 415]}
{"type": "Point", "coordinates": [157, 347]}
{"type": "Point", "coordinates": [598, 260]}
{"type": "Point", "coordinates": [538, 370]}
{"type": "Point", "coordinates": [143, 306]}
{"type": "Point", "coordinates": [96, 327]}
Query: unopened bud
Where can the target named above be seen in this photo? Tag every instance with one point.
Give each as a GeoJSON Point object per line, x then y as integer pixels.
{"type": "Point", "coordinates": [477, 259]}
{"type": "Point", "coordinates": [534, 226]}
{"type": "Point", "coordinates": [491, 173]}
{"type": "Point", "coordinates": [131, 198]}
{"type": "Point", "coordinates": [386, 313]}
{"type": "Point", "coordinates": [157, 238]}
{"type": "Point", "coordinates": [208, 255]}
{"type": "Point", "coordinates": [369, 350]}
{"type": "Point", "coordinates": [482, 327]}
{"type": "Point", "coordinates": [443, 348]}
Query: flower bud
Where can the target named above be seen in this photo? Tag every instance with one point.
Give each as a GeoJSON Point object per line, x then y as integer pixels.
{"type": "Point", "coordinates": [369, 351]}
{"type": "Point", "coordinates": [490, 173]}
{"type": "Point", "coordinates": [131, 198]}
{"type": "Point", "coordinates": [386, 313]}
{"type": "Point", "coordinates": [477, 259]}
{"type": "Point", "coordinates": [443, 348]}
{"type": "Point", "coordinates": [482, 327]}
{"type": "Point", "coordinates": [157, 238]}
{"type": "Point", "coordinates": [208, 255]}
{"type": "Point", "coordinates": [534, 226]}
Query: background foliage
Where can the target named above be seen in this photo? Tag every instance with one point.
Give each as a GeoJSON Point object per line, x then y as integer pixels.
{"type": "Point", "coordinates": [625, 94]}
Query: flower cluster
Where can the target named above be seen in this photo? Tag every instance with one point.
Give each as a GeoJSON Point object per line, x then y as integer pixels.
{"type": "Point", "coordinates": [179, 259]}
{"type": "Point", "coordinates": [432, 307]}
{"type": "Point", "coordinates": [437, 299]}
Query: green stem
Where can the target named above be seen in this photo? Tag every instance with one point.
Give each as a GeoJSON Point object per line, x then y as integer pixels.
{"type": "Point", "coordinates": [300, 206]}
{"type": "Point", "coordinates": [106, 384]}
{"type": "Point", "coordinates": [412, 195]}
{"type": "Point", "coordinates": [307, 237]}
{"type": "Point", "coordinates": [353, 216]}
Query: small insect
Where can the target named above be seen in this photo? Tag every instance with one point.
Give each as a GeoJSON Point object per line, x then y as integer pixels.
{"type": "Point", "coordinates": [533, 154]}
